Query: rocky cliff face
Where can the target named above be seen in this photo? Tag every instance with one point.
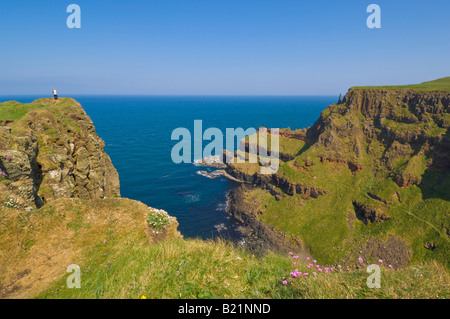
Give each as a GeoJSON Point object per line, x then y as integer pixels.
{"type": "Point", "coordinates": [260, 237]}
{"type": "Point", "coordinates": [392, 126]}
{"type": "Point", "coordinates": [372, 178]}
{"type": "Point", "coordinates": [274, 181]}
{"type": "Point", "coordinates": [53, 152]}
{"type": "Point", "coordinates": [52, 159]}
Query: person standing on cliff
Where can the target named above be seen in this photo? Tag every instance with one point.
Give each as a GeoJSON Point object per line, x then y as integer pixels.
{"type": "Point", "coordinates": [55, 95]}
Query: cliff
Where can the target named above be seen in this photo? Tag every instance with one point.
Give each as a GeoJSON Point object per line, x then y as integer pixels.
{"type": "Point", "coordinates": [60, 196]}
{"type": "Point", "coordinates": [370, 177]}
{"type": "Point", "coordinates": [408, 126]}
{"type": "Point", "coordinates": [51, 152]}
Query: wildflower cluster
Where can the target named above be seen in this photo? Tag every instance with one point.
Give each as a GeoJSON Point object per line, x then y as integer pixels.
{"type": "Point", "coordinates": [314, 269]}
{"type": "Point", "coordinates": [158, 218]}
{"type": "Point", "coordinates": [11, 202]}
{"type": "Point", "coordinates": [2, 173]}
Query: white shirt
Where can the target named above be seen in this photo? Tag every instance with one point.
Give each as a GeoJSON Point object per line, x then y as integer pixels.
{"type": "Point", "coordinates": [54, 92]}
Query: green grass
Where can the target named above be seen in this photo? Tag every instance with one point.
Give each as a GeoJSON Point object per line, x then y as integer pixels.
{"type": "Point", "coordinates": [214, 269]}
{"type": "Point", "coordinates": [323, 224]}
{"type": "Point", "coordinates": [13, 111]}
{"type": "Point", "coordinates": [288, 146]}
{"type": "Point", "coordinates": [106, 238]}
{"type": "Point", "coordinates": [430, 128]}
{"type": "Point", "coordinates": [442, 84]}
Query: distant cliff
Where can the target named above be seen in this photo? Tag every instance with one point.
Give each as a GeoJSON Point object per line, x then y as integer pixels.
{"type": "Point", "coordinates": [53, 152]}
{"type": "Point", "coordinates": [370, 178]}
{"type": "Point", "coordinates": [406, 124]}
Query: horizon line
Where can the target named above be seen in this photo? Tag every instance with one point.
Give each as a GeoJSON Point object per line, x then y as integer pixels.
{"type": "Point", "coordinates": [170, 95]}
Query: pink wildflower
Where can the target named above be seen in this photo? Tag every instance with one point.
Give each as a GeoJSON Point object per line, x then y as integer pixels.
{"type": "Point", "coordinates": [360, 260]}
{"type": "Point", "coordinates": [3, 173]}
{"type": "Point", "coordinates": [284, 282]}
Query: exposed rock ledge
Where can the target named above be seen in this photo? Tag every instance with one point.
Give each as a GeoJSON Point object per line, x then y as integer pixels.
{"type": "Point", "coordinates": [258, 236]}
{"type": "Point", "coordinates": [53, 152]}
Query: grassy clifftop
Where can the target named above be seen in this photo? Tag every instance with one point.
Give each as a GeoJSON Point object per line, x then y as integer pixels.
{"type": "Point", "coordinates": [442, 84]}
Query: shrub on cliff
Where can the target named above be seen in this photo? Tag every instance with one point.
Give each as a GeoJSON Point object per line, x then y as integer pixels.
{"type": "Point", "coordinates": [158, 219]}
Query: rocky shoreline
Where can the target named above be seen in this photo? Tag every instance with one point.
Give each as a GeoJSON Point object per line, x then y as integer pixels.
{"type": "Point", "coordinates": [255, 235]}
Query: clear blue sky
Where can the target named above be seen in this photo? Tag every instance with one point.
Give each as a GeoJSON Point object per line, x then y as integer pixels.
{"type": "Point", "coordinates": [242, 47]}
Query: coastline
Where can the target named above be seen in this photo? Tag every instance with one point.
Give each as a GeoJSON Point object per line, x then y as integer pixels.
{"type": "Point", "coordinates": [253, 234]}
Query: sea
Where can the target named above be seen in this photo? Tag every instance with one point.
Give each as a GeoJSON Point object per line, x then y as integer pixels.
{"type": "Point", "coordinates": [137, 132]}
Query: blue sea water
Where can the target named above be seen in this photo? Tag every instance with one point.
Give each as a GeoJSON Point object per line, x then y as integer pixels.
{"type": "Point", "coordinates": [137, 133]}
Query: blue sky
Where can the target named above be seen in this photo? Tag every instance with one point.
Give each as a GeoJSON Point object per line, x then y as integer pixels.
{"type": "Point", "coordinates": [212, 47]}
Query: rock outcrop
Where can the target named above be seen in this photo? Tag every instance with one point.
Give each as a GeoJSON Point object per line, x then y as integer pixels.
{"type": "Point", "coordinates": [275, 180]}
{"type": "Point", "coordinates": [53, 152]}
{"type": "Point", "coordinates": [259, 236]}
{"type": "Point", "coordinates": [405, 123]}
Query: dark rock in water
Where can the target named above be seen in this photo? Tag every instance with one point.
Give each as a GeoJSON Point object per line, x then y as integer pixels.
{"type": "Point", "coordinates": [213, 174]}
{"type": "Point", "coordinates": [211, 161]}
{"type": "Point", "coordinates": [220, 227]}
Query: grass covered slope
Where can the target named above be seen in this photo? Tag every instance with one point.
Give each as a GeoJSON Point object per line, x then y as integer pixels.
{"type": "Point", "coordinates": [205, 269]}
{"type": "Point", "coordinates": [121, 257]}
{"type": "Point", "coordinates": [38, 246]}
